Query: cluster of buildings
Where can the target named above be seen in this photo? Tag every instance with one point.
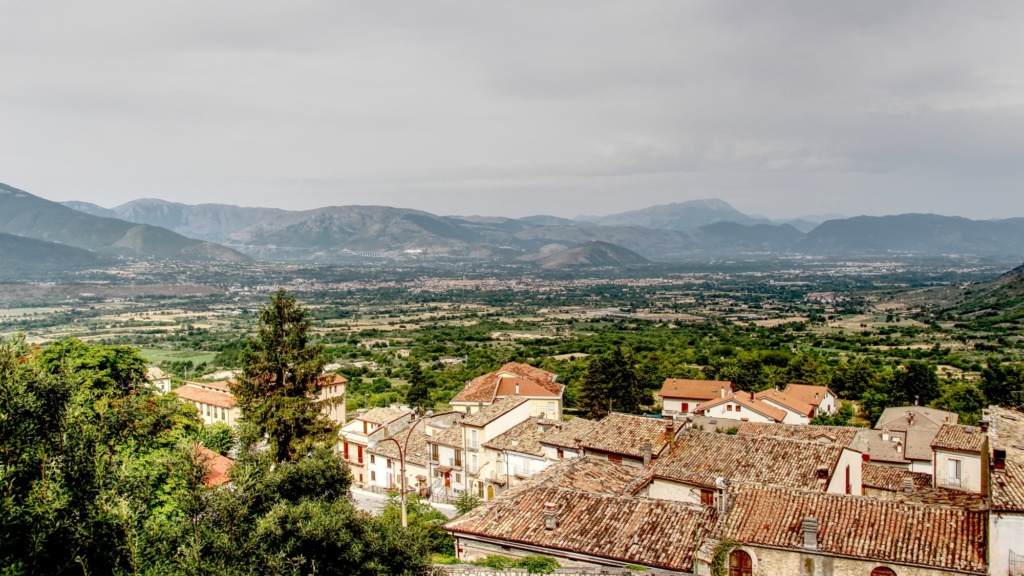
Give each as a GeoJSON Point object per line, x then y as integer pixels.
{"type": "Point", "coordinates": [918, 494]}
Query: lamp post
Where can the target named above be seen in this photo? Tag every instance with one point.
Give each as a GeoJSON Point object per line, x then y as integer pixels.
{"type": "Point", "coordinates": [402, 448]}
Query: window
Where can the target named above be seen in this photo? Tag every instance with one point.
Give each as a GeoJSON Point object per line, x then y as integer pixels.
{"type": "Point", "coordinates": [551, 409]}
{"type": "Point", "coordinates": [364, 427]}
{"type": "Point", "coordinates": [953, 472]}
{"type": "Point", "coordinates": [728, 407]}
{"type": "Point", "coordinates": [433, 453]}
{"type": "Point", "coordinates": [473, 443]}
{"type": "Point", "coordinates": [684, 407]}
{"type": "Point", "coordinates": [707, 497]}
{"type": "Point", "coordinates": [458, 477]}
{"type": "Point", "coordinates": [373, 476]}
{"type": "Point", "coordinates": [389, 462]}
{"type": "Point", "coordinates": [360, 450]}
{"type": "Point", "coordinates": [561, 453]}
{"type": "Point", "coordinates": [738, 407]}
{"type": "Point", "coordinates": [346, 450]}
{"type": "Point", "coordinates": [740, 564]}
{"type": "Point", "coordinates": [883, 571]}
{"type": "Point", "coordinates": [373, 459]}
{"type": "Point", "coordinates": [458, 457]}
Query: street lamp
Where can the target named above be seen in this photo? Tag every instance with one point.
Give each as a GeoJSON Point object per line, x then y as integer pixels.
{"type": "Point", "coordinates": [401, 457]}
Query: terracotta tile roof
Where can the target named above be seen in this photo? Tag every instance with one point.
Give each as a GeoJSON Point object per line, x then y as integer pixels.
{"type": "Point", "coordinates": [848, 436]}
{"type": "Point", "coordinates": [490, 386]}
{"type": "Point", "coordinates": [700, 458]}
{"type": "Point", "coordinates": [933, 537]}
{"type": "Point", "coordinates": [958, 438]}
{"type": "Point", "coordinates": [491, 413]}
{"type": "Point", "coordinates": [588, 474]}
{"type": "Point", "coordinates": [807, 394]}
{"type": "Point", "coordinates": [569, 434]}
{"type": "Point", "coordinates": [696, 389]}
{"type": "Point", "coordinates": [331, 379]}
{"type": "Point", "coordinates": [625, 434]}
{"type": "Point", "coordinates": [450, 437]}
{"type": "Point", "coordinates": [891, 478]}
{"type": "Point", "coordinates": [899, 418]}
{"type": "Point", "coordinates": [620, 528]}
{"type": "Point", "coordinates": [743, 399]}
{"type": "Point", "coordinates": [154, 373]}
{"type": "Point", "coordinates": [523, 437]}
{"type": "Point", "coordinates": [217, 466]}
{"type": "Point", "coordinates": [787, 400]}
{"type": "Point", "coordinates": [1006, 433]}
{"type": "Point", "coordinates": [515, 385]}
{"type": "Point", "coordinates": [194, 393]}
{"type": "Point", "coordinates": [416, 451]}
{"type": "Point", "coordinates": [383, 416]}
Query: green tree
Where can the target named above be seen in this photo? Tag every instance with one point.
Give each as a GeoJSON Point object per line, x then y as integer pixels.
{"type": "Point", "coordinates": [965, 399]}
{"type": "Point", "coordinates": [851, 379]}
{"type": "Point", "coordinates": [613, 382]}
{"type": "Point", "coordinates": [1002, 384]}
{"type": "Point", "coordinates": [915, 383]}
{"type": "Point", "coordinates": [278, 387]}
{"type": "Point", "coordinates": [418, 396]}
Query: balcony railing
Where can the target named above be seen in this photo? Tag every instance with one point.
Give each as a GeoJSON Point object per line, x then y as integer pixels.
{"type": "Point", "coordinates": [473, 469]}
{"type": "Point", "coordinates": [473, 445]}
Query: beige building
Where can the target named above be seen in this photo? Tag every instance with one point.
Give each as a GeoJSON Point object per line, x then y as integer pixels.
{"type": "Point", "coordinates": [961, 458]}
{"type": "Point", "coordinates": [365, 428]}
{"type": "Point", "coordinates": [514, 379]}
{"type": "Point", "coordinates": [903, 437]}
{"type": "Point", "coordinates": [214, 401]}
{"type": "Point", "coordinates": [743, 407]}
{"type": "Point", "coordinates": [331, 397]}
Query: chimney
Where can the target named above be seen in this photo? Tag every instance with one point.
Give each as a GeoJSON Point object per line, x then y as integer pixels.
{"type": "Point", "coordinates": [722, 390]}
{"type": "Point", "coordinates": [885, 435]}
{"type": "Point", "coordinates": [910, 417]}
{"type": "Point", "coordinates": [647, 454]}
{"type": "Point", "coordinates": [810, 529]}
{"type": "Point", "coordinates": [670, 432]}
{"type": "Point", "coordinates": [517, 388]}
{"type": "Point", "coordinates": [984, 424]}
{"type": "Point", "coordinates": [908, 486]}
{"type": "Point", "coordinates": [550, 516]}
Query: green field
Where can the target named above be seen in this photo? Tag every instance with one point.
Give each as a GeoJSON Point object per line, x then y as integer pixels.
{"type": "Point", "coordinates": [157, 355]}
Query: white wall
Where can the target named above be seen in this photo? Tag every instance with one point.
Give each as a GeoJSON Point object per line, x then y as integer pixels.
{"type": "Point", "coordinates": [1006, 534]}
{"type": "Point", "coordinates": [505, 422]}
{"type": "Point", "coordinates": [792, 416]}
{"type": "Point", "coordinates": [675, 491]}
{"type": "Point", "coordinates": [971, 477]}
{"type": "Point", "coordinates": [745, 414]}
{"type": "Point", "coordinates": [837, 484]}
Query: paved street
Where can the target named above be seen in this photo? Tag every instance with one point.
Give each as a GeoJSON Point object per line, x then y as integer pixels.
{"type": "Point", "coordinates": [374, 503]}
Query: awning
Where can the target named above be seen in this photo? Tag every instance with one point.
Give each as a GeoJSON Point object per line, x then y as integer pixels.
{"type": "Point", "coordinates": [443, 469]}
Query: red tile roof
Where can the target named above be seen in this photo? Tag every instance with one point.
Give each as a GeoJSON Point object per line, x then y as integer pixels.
{"type": "Point", "coordinates": [787, 400]}
{"type": "Point", "coordinates": [384, 416]}
{"type": "Point", "coordinates": [491, 413]}
{"type": "Point", "coordinates": [700, 458]}
{"type": "Point", "coordinates": [523, 438]}
{"type": "Point", "coordinates": [696, 389]}
{"type": "Point", "coordinates": [743, 399]}
{"type": "Point", "coordinates": [807, 393]}
{"type": "Point", "coordinates": [194, 393]}
{"type": "Point", "coordinates": [619, 528]}
{"type": "Point", "coordinates": [569, 434]}
{"type": "Point", "coordinates": [331, 379]}
{"type": "Point", "coordinates": [625, 434]}
{"type": "Point", "coordinates": [932, 537]}
{"type": "Point", "coordinates": [848, 436]}
{"type": "Point", "coordinates": [217, 466]}
{"type": "Point", "coordinates": [959, 438]}
{"type": "Point", "coordinates": [891, 478]}
{"type": "Point", "coordinates": [502, 382]}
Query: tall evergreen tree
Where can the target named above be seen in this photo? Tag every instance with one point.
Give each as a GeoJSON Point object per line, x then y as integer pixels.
{"type": "Point", "coordinates": [279, 383]}
{"type": "Point", "coordinates": [613, 382]}
{"type": "Point", "coordinates": [418, 396]}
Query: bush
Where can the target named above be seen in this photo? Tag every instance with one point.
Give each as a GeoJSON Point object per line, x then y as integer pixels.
{"type": "Point", "coordinates": [538, 564]}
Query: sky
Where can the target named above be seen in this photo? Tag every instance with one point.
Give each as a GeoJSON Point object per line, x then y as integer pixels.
{"type": "Point", "coordinates": [780, 108]}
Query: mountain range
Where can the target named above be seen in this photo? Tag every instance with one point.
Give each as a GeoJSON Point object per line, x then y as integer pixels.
{"type": "Point", "coordinates": [154, 228]}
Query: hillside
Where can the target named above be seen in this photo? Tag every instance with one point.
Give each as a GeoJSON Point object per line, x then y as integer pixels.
{"type": "Point", "coordinates": [593, 254]}
{"type": "Point", "coordinates": [24, 258]}
{"type": "Point", "coordinates": [26, 215]}
{"type": "Point", "coordinates": [677, 216]}
{"type": "Point", "coordinates": [915, 234]}
{"type": "Point", "coordinates": [731, 238]}
{"type": "Point", "coordinates": [1001, 300]}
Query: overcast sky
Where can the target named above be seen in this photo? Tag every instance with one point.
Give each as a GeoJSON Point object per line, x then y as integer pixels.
{"type": "Point", "coordinates": [517, 108]}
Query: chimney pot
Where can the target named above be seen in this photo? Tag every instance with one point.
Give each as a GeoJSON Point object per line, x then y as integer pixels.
{"type": "Point", "coordinates": [550, 516]}
{"type": "Point", "coordinates": [908, 486]}
{"type": "Point", "coordinates": [809, 526]}
{"type": "Point", "coordinates": [670, 432]}
{"type": "Point", "coordinates": [647, 454]}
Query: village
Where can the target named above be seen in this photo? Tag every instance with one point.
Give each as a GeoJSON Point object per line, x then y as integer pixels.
{"type": "Point", "coordinates": [724, 480]}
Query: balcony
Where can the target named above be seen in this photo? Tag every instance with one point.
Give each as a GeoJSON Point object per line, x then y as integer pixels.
{"type": "Point", "coordinates": [473, 446]}
{"type": "Point", "coordinates": [472, 469]}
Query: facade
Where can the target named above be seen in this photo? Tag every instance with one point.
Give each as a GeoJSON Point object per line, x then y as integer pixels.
{"type": "Point", "coordinates": [961, 459]}
{"type": "Point", "coordinates": [797, 411]}
{"type": "Point", "coordinates": [820, 398]}
{"type": "Point", "coordinates": [365, 428]}
{"type": "Point", "coordinates": [331, 396]}
{"type": "Point", "coordinates": [214, 401]}
{"type": "Point", "coordinates": [681, 396]}
{"type": "Point", "coordinates": [564, 439]}
{"type": "Point", "coordinates": [514, 379]}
